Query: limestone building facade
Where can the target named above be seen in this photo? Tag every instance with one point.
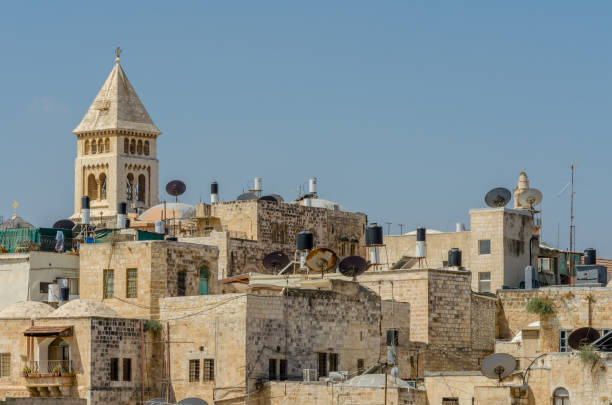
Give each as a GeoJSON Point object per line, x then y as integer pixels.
{"type": "Point", "coordinates": [116, 152]}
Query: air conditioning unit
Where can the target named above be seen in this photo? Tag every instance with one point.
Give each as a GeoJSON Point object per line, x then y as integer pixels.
{"type": "Point", "coordinates": [310, 374]}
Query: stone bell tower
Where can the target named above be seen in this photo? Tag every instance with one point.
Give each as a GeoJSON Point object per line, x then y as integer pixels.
{"type": "Point", "coordinates": [116, 151]}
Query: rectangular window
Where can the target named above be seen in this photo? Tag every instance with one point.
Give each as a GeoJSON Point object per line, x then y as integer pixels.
{"type": "Point", "coordinates": [484, 281]}
{"type": "Point", "coordinates": [209, 370]}
{"type": "Point", "coordinates": [5, 364]}
{"type": "Point", "coordinates": [333, 361]}
{"type": "Point", "coordinates": [44, 287]}
{"type": "Point", "coordinates": [114, 369]}
{"type": "Point", "coordinates": [127, 369]}
{"type": "Point", "coordinates": [109, 283]}
{"type": "Point", "coordinates": [352, 249]}
{"type": "Point", "coordinates": [194, 370]}
{"type": "Point", "coordinates": [392, 337]}
{"type": "Point", "coordinates": [360, 366]}
{"type": "Point", "coordinates": [544, 263]}
{"type": "Point", "coordinates": [272, 369]}
{"type": "Point", "coordinates": [73, 286]}
{"type": "Point", "coordinates": [283, 369]}
{"type": "Point", "coordinates": [450, 401]}
{"type": "Point", "coordinates": [563, 336]}
{"type": "Point", "coordinates": [484, 247]}
{"type": "Point", "coordinates": [131, 287]}
{"type": "Point", "coordinates": [322, 371]}
{"type": "Point", "coordinates": [180, 284]}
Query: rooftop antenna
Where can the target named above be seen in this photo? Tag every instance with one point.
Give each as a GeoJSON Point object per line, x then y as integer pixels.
{"type": "Point", "coordinates": [498, 366]}
{"type": "Point", "coordinates": [388, 227]}
{"type": "Point", "coordinates": [401, 226]}
{"type": "Point", "coordinates": [572, 230]}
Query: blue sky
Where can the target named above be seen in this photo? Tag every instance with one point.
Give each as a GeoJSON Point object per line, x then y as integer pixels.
{"type": "Point", "coordinates": [407, 111]}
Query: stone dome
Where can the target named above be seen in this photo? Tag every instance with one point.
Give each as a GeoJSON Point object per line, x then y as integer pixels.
{"type": "Point", "coordinates": [173, 211]}
{"type": "Point", "coordinates": [84, 308]}
{"type": "Point", "coordinates": [27, 309]}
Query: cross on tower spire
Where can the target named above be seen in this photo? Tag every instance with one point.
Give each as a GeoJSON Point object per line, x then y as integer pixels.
{"type": "Point", "coordinates": [118, 54]}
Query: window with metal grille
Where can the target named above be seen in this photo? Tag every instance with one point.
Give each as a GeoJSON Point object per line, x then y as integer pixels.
{"type": "Point", "coordinates": [127, 369]}
{"type": "Point", "coordinates": [180, 284]}
{"type": "Point", "coordinates": [109, 283]}
{"type": "Point", "coordinates": [194, 370]}
{"type": "Point", "coordinates": [563, 336]}
{"type": "Point", "coordinates": [272, 369]}
{"type": "Point", "coordinates": [131, 288]}
{"type": "Point", "coordinates": [450, 401]}
{"type": "Point", "coordinates": [5, 364]}
{"type": "Point", "coordinates": [333, 361]}
{"type": "Point", "coordinates": [209, 370]}
{"type": "Point", "coordinates": [484, 281]}
{"type": "Point", "coordinates": [484, 247]}
{"type": "Point", "coordinates": [360, 366]}
{"type": "Point", "coordinates": [322, 371]}
{"type": "Point", "coordinates": [283, 369]}
{"type": "Point", "coordinates": [114, 369]}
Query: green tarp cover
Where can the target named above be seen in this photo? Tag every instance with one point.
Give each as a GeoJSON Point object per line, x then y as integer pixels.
{"type": "Point", "coordinates": [10, 238]}
{"type": "Point", "coordinates": [105, 235]}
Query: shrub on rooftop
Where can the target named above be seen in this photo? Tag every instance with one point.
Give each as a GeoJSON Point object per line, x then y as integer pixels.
{"type": "Point", "coordinates": [540, 306]}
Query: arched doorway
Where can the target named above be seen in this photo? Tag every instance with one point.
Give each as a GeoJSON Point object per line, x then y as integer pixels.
{"type": "Point", "coordinates": [561, 397]}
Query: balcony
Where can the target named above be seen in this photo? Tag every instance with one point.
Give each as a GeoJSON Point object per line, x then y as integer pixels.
{"type": "Point", "coordinates": [52, 378]}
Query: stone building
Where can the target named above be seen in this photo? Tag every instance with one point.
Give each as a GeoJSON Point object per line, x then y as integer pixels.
{"type": "Point", "coordinates": [28, 276]}
{"type": "Point", "coordinates": [235, 343]}
{"type": "Point", "coordinates": [81, 350]}
{"type": "Point", "coordinates": [131, 277]}
{"type": "Point", "coordinates": [116, 152]}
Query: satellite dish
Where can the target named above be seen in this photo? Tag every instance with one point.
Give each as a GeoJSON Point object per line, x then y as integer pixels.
{"type": "Point", "coordinates": [530, 197]}
{"type": "Point", "coordinates": [582, 337]}
{"type": "Point", "coordinates": [271, 198]}
{"type": "Point", "coordinates": [192, 401]}
{"type": "Point", "coordinates": [246, 196]}
{"type": "Point", "coordinates": [498, 366]}
{"type": "Point", "coordinates": [498, 197]}
{"type": "Point", "coordinates": [63, 224]}
{"type": "Point", "coordinates": [275, 261]}
{"type": "Point", "coordinates": [176, 188]}
{"type": "Point", "coordinates": [321, 260]}
{"type": "Point", "coordinates": [352, 266]}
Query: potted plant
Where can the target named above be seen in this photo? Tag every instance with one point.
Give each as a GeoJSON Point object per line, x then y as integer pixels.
{"type": "Point", "coordinates": [57, 370]}
{"type": "Point", "coordinates": [27, 371]}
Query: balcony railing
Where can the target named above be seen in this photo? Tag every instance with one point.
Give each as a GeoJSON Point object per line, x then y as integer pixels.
{"type": "Point", "coordinates": [49, 366]}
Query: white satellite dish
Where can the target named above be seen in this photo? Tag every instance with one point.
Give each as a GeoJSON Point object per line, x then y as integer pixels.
{"type": "Point", "coordinates": [498, 366]}
{"type": "Point", "coordinates": [530, 197]}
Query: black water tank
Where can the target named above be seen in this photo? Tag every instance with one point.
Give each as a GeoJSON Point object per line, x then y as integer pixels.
{"type": "Point", "coordinates": [304, 240]}
{"type": "Point", "coordinates": [64, 293]}
{"type": "Point", "coordinates": [214, 188]}
{"type": "Point", "coordinates": [590, 256]}
{"type": "Point", "coordinates": [374, 234]}
{"type": "Point", "coordinates": [420, 235]}
{"type": "Point", "coordinates": [85, 202]}
{"type": "Point", "coordinates": [454, 258]}
{"type": "Point", "coordinates": [122, 208]}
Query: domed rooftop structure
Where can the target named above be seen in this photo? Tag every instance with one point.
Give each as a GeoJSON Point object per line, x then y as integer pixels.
{"type": "Point", "coordinates": [376, 381]}
{"type": "Point", "coordinates": [84, 308]}
{"type": "Point", "coordinates": [173, 211]}
{"type": "Point", "coordinates": [27, 309]}
{"type": "Point", "coordinates": [16, 222]}
{"type": "Point", "coordinates": [319, 203]}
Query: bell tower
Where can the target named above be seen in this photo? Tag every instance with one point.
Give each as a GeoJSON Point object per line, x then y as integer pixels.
{"type": "Point", "coordinates": [116, 151]}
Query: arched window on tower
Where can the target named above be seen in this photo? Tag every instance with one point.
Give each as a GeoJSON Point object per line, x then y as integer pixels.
{"type": "Point", "coordinates": [92, 187]}
{"type": "Point", "coordinates": [146, 148]}
{"type": "Point", "coordinates": [129, 192]}
{"type": "Point", "coordinates": [142, 186]}
{"type": "Point", "coordinates": [86, 148]}
{"type": "Point", "coordinates": [94, 147]}
{"type": "Point", "coordinates": [126, 145]}
{"type": "Point", "coordinates": [100, 146]}
{"type": "Point", "coordinates": [102, 182]}
{"type": "Point", "coordinates": [139, 147]}
{"type": "Point", "coordinates": [561, 397]}
{"type": "Point", "coordinates": [107, 145]}
{"type": "Point", "coordinates": [133, 147]}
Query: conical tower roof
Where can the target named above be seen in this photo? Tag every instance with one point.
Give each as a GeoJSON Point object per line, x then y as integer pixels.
{"type": "Point", "coordinates": [117, 107]}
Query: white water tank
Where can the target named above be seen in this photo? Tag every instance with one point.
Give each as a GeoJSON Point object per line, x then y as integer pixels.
{"type": "Point", "coordinates": [312, 185]}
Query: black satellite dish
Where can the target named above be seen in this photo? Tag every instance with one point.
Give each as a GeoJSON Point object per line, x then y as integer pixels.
{"type": "Point", "coordinates": [582, 337]}
{"type": "Point", "coordinates": [175, 188]}
{"type": "Point", "coordinates": [192, 401]}
{"type": "Point", "coordinates": [275, 261]}
{"type": "Point", "coordinates": [246, 196]}
{"type": "Point", "coordinates": [498, 197]}
{"type": "Point", "coordinates": [63, 224]}
{"type": "Point", "coordinates": [352, 266]}
{"type": "Point", "coordinates": [270, 198]}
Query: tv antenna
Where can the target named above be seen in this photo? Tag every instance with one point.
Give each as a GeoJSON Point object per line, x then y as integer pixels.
{"type": "Point", "coordinates": [498, 197]}
{"type": "Point", "coordinates": [572, 229]}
